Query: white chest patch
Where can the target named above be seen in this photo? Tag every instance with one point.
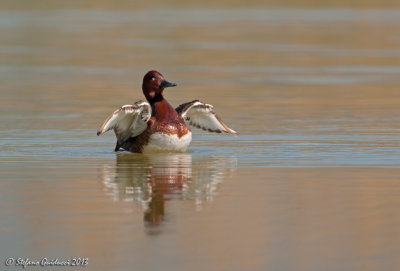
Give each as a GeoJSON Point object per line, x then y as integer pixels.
{"type": "Point", "coordinates": [164, 142]}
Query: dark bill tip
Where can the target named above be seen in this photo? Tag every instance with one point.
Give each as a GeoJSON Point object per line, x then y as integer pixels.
{"type": "Point", "coordinates": [166, 84]}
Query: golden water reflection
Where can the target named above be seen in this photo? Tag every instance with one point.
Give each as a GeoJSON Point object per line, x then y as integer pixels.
{"type": "Point", "coordinates": [153, 180]}
{"type": "Point", "coordinates": [314, 93]}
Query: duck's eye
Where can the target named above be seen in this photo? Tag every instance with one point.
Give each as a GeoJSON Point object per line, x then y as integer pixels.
{"type": "Point", "coordinates": [153, 78]}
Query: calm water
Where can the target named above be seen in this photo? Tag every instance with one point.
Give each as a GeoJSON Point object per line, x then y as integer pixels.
{"type": "Point", "coordinates": [311, 183]}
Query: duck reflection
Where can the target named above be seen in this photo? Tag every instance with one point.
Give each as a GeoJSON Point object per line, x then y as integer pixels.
{"type": "Point", "coordinates": [151, 180]}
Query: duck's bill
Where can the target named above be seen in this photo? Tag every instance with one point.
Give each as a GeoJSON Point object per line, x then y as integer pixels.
{"type": "Point", "coordinates": [166, 84]}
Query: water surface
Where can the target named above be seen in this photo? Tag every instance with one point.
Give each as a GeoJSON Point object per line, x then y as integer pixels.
{"type": "Point", "coordinates": [311, 183]}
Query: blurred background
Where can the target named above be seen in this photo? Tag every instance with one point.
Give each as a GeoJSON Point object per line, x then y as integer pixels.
{"type": "Point", "coordinates": [311, 183]}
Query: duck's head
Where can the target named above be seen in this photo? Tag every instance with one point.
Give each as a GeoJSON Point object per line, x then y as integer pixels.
{"type": "Point", "coordinates": [154, 84]}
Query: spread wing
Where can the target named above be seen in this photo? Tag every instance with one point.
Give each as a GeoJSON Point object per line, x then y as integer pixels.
{"type": "Point", "coordinates": [201, 115]}
{"type": "Point", "coordinates": [128, 121]}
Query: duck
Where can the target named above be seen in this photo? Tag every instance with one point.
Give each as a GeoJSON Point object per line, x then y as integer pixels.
{"type": "Point", "coordinates": [154, 125]}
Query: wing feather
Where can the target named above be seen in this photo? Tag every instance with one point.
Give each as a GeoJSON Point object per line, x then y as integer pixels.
{"type": "Point", "coordinates": [201, 115]}
{"type": "Point", "coordinates": [127, 121]}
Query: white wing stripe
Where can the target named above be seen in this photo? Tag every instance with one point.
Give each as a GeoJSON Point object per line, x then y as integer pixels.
{"type": "Point", "coordinates": [202, 116]}
{"type": "Point", "coordinates": [128, 121]}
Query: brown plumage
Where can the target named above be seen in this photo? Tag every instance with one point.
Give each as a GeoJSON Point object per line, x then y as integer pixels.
{"type": "Point", "coordinates": [135, 125]}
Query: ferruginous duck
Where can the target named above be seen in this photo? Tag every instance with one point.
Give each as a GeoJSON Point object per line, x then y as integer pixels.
{"type": "Point", "coordinates": [155, 125]}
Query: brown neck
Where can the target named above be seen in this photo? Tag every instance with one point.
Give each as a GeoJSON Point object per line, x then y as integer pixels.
{"type": "Point", "coordinates": [161, 109]}
{"type": "Point", "coordinates": [158, 97]}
